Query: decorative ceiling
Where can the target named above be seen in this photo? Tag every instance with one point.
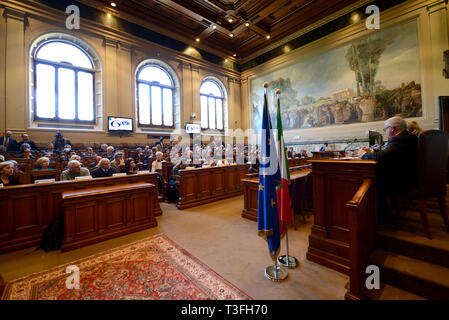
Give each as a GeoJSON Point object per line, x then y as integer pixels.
{"type": "Point", "coordinates": [226, 28]}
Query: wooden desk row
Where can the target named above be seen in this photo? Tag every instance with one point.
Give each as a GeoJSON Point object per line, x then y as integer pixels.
{"type": "Point", "coordinates": [251, 192]}
{"type": "Point", "coordinates": [26, 210]}
{"type": "Point", "coordinates": [205, 185]}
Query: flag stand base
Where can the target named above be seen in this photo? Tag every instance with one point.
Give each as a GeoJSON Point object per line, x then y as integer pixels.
{"type": "Point", "coordinates": [275, 273]}
{"type": "Point", "coordinates": [288, 261]}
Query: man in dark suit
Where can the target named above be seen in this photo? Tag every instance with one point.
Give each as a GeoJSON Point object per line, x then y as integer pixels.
{"type": "Point", "coordinates": [105, 169]}
{"type": "Point", "coordinates": [396, 170]}
{"type": "Point", "coordinates": [9, 142]}
{"type": "Point", "coordinates": [26, 139]}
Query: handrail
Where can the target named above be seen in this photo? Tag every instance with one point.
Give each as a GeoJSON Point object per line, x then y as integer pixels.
{"type": "Point", "coordinates": [359, 245]}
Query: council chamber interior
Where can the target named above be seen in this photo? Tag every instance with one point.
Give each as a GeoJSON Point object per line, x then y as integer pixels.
{"type": "Point", "coordinates": [133, 149]}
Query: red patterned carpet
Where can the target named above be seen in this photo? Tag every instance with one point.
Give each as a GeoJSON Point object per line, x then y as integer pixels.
{"type": "Point", "coordinates": [152, 269]}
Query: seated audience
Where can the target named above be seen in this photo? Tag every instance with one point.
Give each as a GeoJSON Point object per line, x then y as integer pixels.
{"type": "Point", "coordinates": [50, 149]}
{"type": "Point", "coordinates": [303, 154]}
{"type": "Point", "coordinates": [42, 164]}
{"type": "Point", "coordinates": [96, 164]}
{"type": "Point", "coordinates": [223, 161]}
{"type": "Point", "coordinates": [156, 166]}
{"type": "Point", "coordinates": [105, 169]}
{"type": "Point", "coordinates": [26, 139]}
{"type": "Point", "coordinates": [60, 142]}
{"type": "Point", "coordinates": [74, 169]}
{"type": "Point", "coordinates": [75, 157]}
{"type": "Point", "coordinates": [6, 172]}
{"type": "Point", "coordinates": [118, 160]}
{"type": "Point", "coordinates": [26, 154]}
{"type": "Point", "coordinates": [90, 153]}
{"type": "Point", "coordinates": [414, 128]}
{"type": "Point", "coordinates": [109, 153]}
{"type": "Point", "coordinates": [9, 142]}
{"type": "Point", "coordinates": [131, 166]}
{"type": "Point", "coordinates": [3, 151]}
{"type": "Point", "coordinates": [103, 149]}
{"type": "Point", "coordinates": [396, 170]}
{"type": "Point", "coordinates": [15, 166]}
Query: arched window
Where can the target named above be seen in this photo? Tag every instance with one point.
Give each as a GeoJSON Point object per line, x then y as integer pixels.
{"type": "Point", "coordinates": [211, 96]}
{"type": "Point", "coordinates": [155, 92]}
{"type": "Point", "coordinates": [64, 83]}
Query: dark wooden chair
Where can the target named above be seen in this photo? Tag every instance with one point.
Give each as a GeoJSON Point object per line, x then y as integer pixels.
{"type": "Point", "coordinates": [431, 173]}
{"type": "Point", "coordinates": [44, 174]}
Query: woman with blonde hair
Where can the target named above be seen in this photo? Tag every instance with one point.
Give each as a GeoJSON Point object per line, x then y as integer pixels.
{"type": "Point", "coordinates": [42, 164]}
{"type": "Point", "coordinates": [414, 128]}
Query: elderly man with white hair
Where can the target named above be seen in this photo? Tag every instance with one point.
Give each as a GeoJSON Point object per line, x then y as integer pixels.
{"type": "Point", "coordinates": [74, 170]}
{"type": "Point", "coordinates": [396, 170]}
{"type": "Point", "coordinates": [105, 169]}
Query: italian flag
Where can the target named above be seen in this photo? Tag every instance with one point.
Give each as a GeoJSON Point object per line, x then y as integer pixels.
{"type": "Point", "coordinates": [282, 192]}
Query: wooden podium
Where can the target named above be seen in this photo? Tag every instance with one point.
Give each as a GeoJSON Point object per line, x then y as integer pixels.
{"type": "Point", "coordinates": [335, 184]}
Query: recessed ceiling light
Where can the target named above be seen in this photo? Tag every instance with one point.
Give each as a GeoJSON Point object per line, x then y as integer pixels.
{"type": "Point", "coordinates": [113, 4]}
{"type": "Point", "coordinates": [197, 39]}
{"type": "Point", "coordinates": [214, 26]}
{"type": "Point", "coordinates": [268, 37]}
{"type": "Point", "coordinates": [234, 55]}
{"type": "Point", "coordinates": [231, 35]}
{"type": "Point", "coordinates": [247, 24]}
{"type": "Point", "coordinates": [230, 20]}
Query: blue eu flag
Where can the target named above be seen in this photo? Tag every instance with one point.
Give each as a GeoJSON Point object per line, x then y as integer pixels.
{"type": "Point", "coordinates": [269, 176]}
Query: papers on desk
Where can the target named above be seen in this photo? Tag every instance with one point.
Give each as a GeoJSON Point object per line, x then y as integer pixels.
{"type": "Point", "coordinates": [119, 174]}
{"type": "Point", "coordinates": [83, 178]}
{"type": "Point", "coordinates": [345, 158]}
{"type": "Point", "coordinates": [143, 172]}
{"type": "Point", "coordinates": [44, 181]}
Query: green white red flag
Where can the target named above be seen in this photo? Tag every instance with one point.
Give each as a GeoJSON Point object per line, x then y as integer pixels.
{"type": "Point", "coordinates": [283, 193]}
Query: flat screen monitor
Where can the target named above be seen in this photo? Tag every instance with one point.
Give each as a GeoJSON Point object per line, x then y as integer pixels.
{"type": "Point", "coordinates": [193, 128]}
{"type": "Point", "coordinates": [375, 138]}
{"type": "Point", "coordinates": [120, 124]}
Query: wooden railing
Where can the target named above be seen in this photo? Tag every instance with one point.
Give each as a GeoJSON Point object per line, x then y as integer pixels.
{"type": "Point", "coordinates": [362, 221]}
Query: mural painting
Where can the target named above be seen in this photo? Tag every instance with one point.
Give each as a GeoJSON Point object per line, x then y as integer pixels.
{"type": "Point", "coordinates": [369, 79]}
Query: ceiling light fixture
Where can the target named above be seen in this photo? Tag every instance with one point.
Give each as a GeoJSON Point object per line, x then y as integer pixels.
{"type": "Point", "coordinates": [214, 26]}
{"type": "Point", "coordinates": [247, 24]}
{"type": "Point", "coordinates": [113, 4]}
{"type": "Point", "coordinates": [268, 37]}
{"type": "Point", "coordinates": [230, 20]}
{"type": "Point", "coordinates": [231, 35]}
{"type": "Point", "coordinates": [234, 55]}
{"type": "Point", "coordinates": [197, 39]}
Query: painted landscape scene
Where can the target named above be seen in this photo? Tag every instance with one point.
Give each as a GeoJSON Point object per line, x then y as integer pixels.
{"type": "Point", "coordinates": [370, 79]}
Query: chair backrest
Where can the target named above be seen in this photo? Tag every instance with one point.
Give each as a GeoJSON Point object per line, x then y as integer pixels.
{"type": "Point", "coordinates": [44, 174]}
{"type": "Point", "coordinates": [432, 162]}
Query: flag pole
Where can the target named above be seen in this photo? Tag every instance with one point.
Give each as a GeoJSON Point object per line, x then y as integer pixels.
{"type": "Point", "coordinates": [276, 272]}
{"type": "Point", "coordinates": [284, 260]}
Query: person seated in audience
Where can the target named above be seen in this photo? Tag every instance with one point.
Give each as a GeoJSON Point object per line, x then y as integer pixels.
{"type": "Point", "coordinates": [156, 166]}
{"type": "Point", "coordinates": [254, 168]}
{"type": "Point", "coordinates": [118, 160]}
{"type": "Point", "coordinates": [6, 172]}
{"type": "Point", "coordinates": [131, 166]}
{"type": "Point", "coordinates": [60, 142]}
{"type": "Point", "coordinates": [105, 169]}
{"type": "Point", "coordinates": [75, 157]}
{"type": "Point", "coordinates": [9, 142]}
{"type": "Point", "coordinates": [66, 153]}
{"type": "Point", "coordinates": [325, 147]}
{"type": "Point", "coordinates": [4, 152]}
{"type": "Point", "coordinates": [103, 149]}
{"type": "Point", "coordinates": [414, 128]}
{"type": "Point", "coordinates": [26, 139]}
{"type": "Point", "coordinates": [26, 154]}
{"type": "Point", "coordinates": [42, 164]}
{"type": "Point", "coordinates": [96, 164]}
{"type": "Point", "coordinates": [223, 161]}
{"type": "Point", "coordinates": [209, 160]}
{"type": "Point", "coordinates": [74, 170]}
{"type": "Point", "coordinates": [303, 154]}
{"type": "Point", "coordinates": [15, 166]}
{"type": "Point", "coordinates": [2, 158]}
{"type": "Point", "coordinates": [50, 149]}
{"type": "Point", "coordinates": [396, 168]}
{"type": "Point", "coordinates": [109, 153]}
{"type": "Point", "coordinates": [89, 153]}
{"type": "Point", "coordinates": [139, 151]}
